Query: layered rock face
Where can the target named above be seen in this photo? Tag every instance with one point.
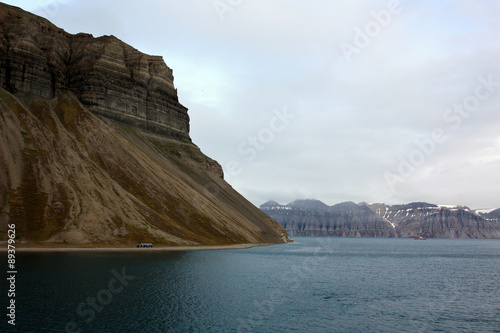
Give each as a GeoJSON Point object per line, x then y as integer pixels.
{"type": "Point", "coordinates": [109, 77]}
{"type": "Point", "coordinates": [314, 218]}
{"type": "Point", "coordinates": [95, 148]}
{"type": "Point", "coordinates": [424, 219]}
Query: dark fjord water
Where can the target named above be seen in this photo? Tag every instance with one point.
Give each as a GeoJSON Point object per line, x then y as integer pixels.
{"type": "Point", "coordinates": [313, 285]}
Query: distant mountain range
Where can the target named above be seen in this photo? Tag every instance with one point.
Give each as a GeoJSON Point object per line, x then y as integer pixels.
{"type": "Point", "coordinates": [348, 219]}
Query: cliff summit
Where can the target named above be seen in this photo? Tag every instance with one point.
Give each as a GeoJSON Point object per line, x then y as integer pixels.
{"type": "Point", "coordinates": [109, 77]}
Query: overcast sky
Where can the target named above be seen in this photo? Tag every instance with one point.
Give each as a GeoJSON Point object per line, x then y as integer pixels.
{"type": "Point", "coordinates": [350, 100]}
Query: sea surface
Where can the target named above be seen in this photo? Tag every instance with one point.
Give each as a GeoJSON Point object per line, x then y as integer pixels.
{"type": "Point", "coordinates": [312, 285]}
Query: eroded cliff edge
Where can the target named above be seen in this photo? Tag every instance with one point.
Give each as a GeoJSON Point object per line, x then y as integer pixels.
{"type": "Point", "coordinates": [95, 148]}
{"type": "Point", "coordinates": [108, 76]}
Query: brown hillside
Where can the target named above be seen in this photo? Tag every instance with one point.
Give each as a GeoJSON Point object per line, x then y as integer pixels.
{"type": "Point", "coordinates": [95, 148]}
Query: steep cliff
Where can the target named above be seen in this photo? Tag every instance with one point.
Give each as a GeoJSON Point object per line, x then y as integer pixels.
{"type": "Point", "coordinates": [314, 218]}
{"type": "Point", "coordinates": [348, 219]}
{"type": "Point", "coordinates": [109, 77]}
{"type": "Point", "coordinates": [446, 223]}
{"type": "Point", "coordinates": [424, 219]}
{"type": "Point", "coordinates": [95, 148]}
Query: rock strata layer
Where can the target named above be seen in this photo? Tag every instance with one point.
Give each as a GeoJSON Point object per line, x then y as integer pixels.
{"type": "Point", "coordinates": [109, 77]}
{"type": "Point", "coordinates": [348, 219]}
{"type": "Point", "coordinates": [314, 218]}
{"type": "Point", "coordinates": [430, 220]}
